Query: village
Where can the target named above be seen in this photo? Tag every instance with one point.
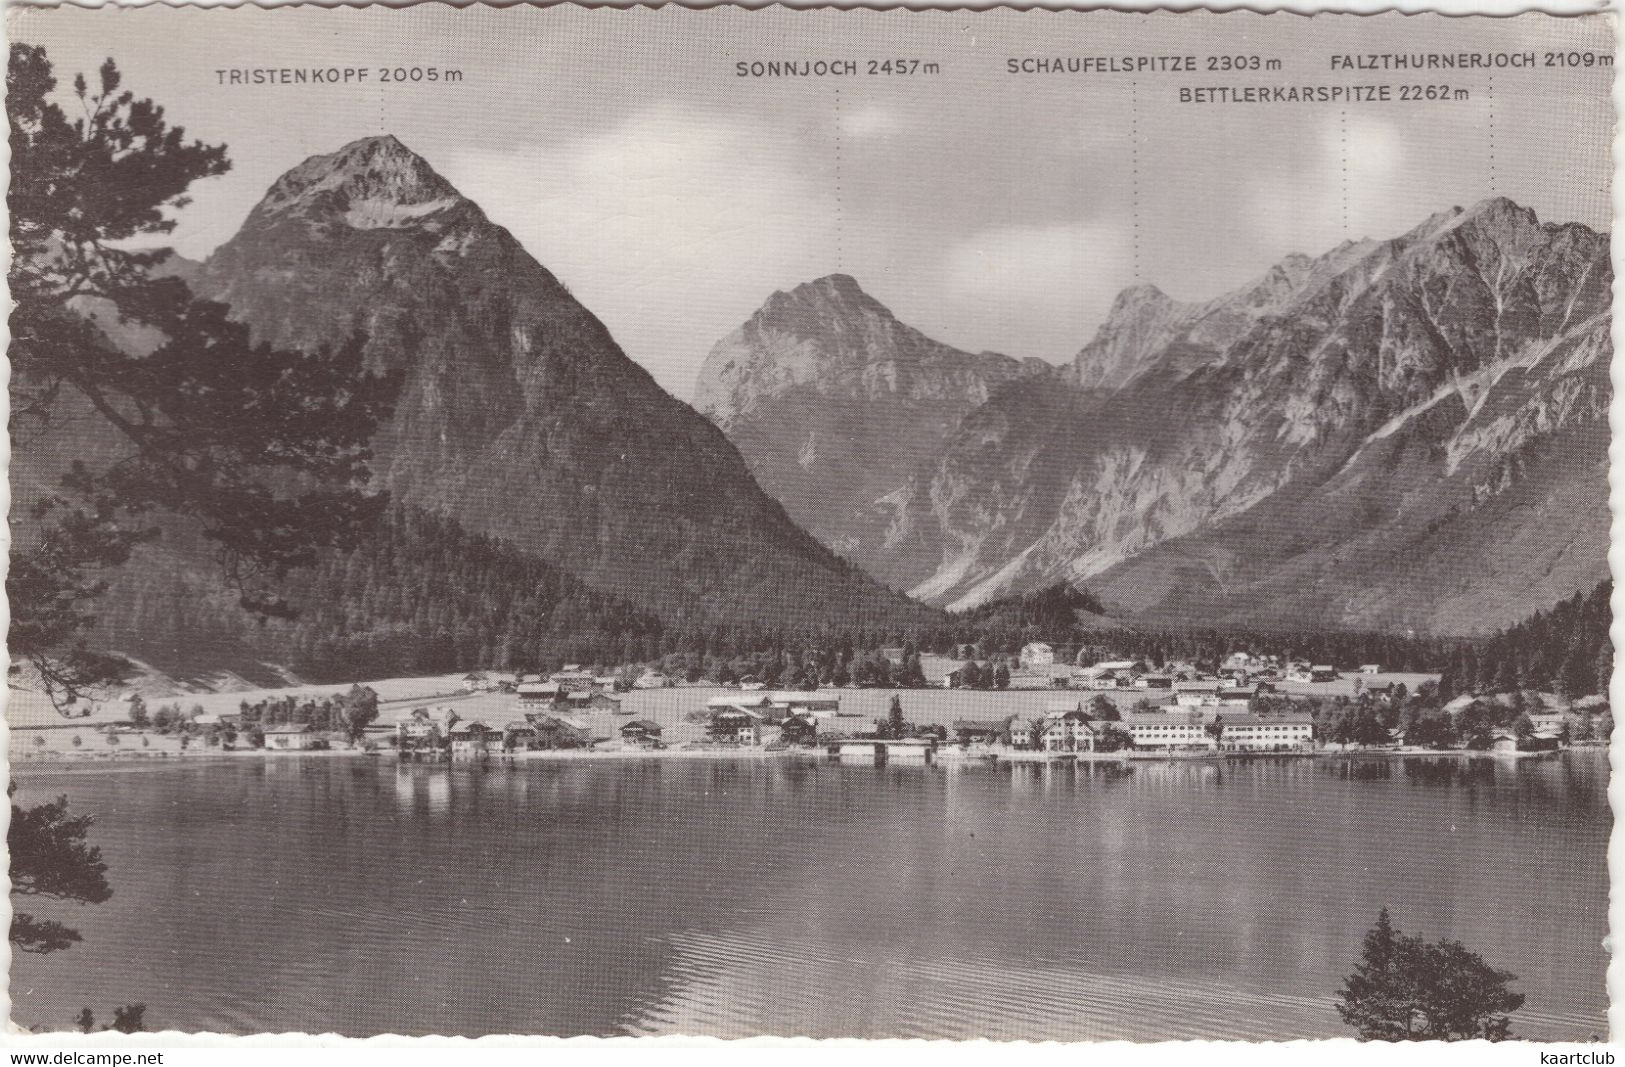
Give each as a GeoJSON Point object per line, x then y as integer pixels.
{"type": "Point", "coordinates": [1040, 708]}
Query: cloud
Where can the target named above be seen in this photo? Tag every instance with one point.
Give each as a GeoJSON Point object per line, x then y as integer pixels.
{"type": "Point", "coordinates": [1056, 279]}
{"type": "Point", "coordinates": [1344, 190]}
{"type": "Point", "coordinates": [871, 121]}
{"type": "Point", "coordinates": [672, 226]}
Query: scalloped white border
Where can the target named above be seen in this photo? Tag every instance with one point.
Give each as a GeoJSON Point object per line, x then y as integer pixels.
{"type": "Point", "coordinates": [182, 1049]}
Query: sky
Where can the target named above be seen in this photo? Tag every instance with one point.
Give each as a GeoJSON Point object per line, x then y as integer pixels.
{"type": "Point", "coordinates": [993, 211]}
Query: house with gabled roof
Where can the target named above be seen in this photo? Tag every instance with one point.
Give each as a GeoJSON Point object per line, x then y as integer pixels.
{"type": "Point", "coordinates": [290, 736]}
{"type": "Point", "coordinates": [644, 733]}
{"type": "Point", "coordinates": [425, 729]}
{"type": "Point", "coordinates": [736, 725]}
{"type": "Point", "coordinates": [799, 728]}
{"type": "Point", "coordinates": [474, 738]}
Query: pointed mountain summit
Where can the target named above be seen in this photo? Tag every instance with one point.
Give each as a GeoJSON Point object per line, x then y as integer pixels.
{"type": "Point", "coordinates": [1406, 433]}
{"type": "Point", "coordinates": [834, 337]}
{"type": "Point", "coordinates": [373, 182]}
{"type": "Point", "coordinates": [837, 405]}
{"type": "Point", "coordinates": [519, 415]}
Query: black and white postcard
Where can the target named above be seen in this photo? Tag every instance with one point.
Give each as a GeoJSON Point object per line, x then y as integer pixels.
{"type": "Point", "coordinates": [1032, 525]}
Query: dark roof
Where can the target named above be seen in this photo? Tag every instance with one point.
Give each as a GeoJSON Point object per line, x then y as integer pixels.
{"type": "Point", "coordinates": [641, 724]}
{"type": "Point", "coordinates": [1267, 720]}
{"type": "Point", "coordinates": [978, 724]}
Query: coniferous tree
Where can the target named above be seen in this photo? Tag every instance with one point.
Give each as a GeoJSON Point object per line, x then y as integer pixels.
{"type": "Point", "coordinates": [209, 426]}
{"type": "Point", "coordinates": [1407, 989]}
{"type": "Point", "coordinates": [51, 858]}
{"type": "Point", "coordinates": [894, 718]}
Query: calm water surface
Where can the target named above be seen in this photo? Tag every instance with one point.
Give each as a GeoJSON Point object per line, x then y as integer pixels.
{"type": "Point", "coordinates": [744, 897]}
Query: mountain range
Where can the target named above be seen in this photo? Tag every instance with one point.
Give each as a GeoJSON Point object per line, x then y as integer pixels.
{"type": "Point", "coordinates": [518, 418]}
{"type": "Point", "coordinates": [834, 402]}
{"type": "Point", "coordinates": [1398, 434]}
{"type": "Point", "coordinates": [519, 415]}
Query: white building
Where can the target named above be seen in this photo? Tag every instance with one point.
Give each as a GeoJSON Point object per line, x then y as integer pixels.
{"type": "Point", "coordinates": [1021, 734]}
{"type": "Point", "coordinates": [1094, 678]}
{"type": "Point", "coordinates": [1253, 733]}
{"type": "Point", "coordinates": [293, 736]}
{"type": "Point", "coordinates": [534, 695]}
{"type": "Point", "coordinates": [1037, 654]}
{"type": "Point", "coordinates": [424, 728]}
{"type": "Point", "coordinates": [736, 725]}
{"type": "Point", "coordinates": [823, 703]}
{"type": "Point", "coordinates": [1064, 728]}
{"type": "Point", "coordinates": [474, 738]}
{"type": "Point", "coordinates": [572, 678]}
{"type": "Point", "coordinates": [1203, 694]}
{"type": "Point", "coordinates": [1168, 732]}
{"type": "Point", "coordinates": [780, 703]}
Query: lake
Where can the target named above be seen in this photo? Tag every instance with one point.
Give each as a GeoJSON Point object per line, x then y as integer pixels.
{"type": "Point", "coordinates": [803, 897]}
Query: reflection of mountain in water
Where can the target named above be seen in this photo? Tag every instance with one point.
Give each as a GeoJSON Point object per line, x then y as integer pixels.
{"type": "Point", "coordinates": [735, 897]}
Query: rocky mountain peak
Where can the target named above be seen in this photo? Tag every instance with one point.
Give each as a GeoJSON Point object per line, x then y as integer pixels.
{"type": "Point", "coordinates": [517, 412]}
{"type": "Point", "coordinates": [376, 182]}
{"type": "Point", "coordinates": [832, 296]}
{"type": "Point", "coordinates": [1501, 209]}
{"type": "Point", "coordinates": [1497, 214]}
{"type": "Point", "coordinates": [1135, 298]}
{"type": "Point", "coordinates": [831, 336]}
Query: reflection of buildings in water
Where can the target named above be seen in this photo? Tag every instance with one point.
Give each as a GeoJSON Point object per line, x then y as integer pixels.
{"type": "Point", "coordinates": [1177, 776]}
{"type": "Point", "coordinates": [492, 782]}
{"type": "Point", "coordinates": [793, 775]}
{"type": "Point", "coordinates": [973, 777]}
{"type": "Point", "coordinates": [972, 791]}
{"type": "Point", "coordinates": [582, 783]}
{"type": "Point", "coordinates": [1454, 770]}
{"type": "Point", "coordinates": [1355, 769]}
{"type": "Point", "coordinates": [1060, 778]}
{"type": "Point", "coordinates": [406, 788]}
{"type": "Point", "coordinates": [1103, 772]}
{"type": "Point", "coordinates": [439, 791]}
{"type": "Point", "coordinates": [1025, 778]}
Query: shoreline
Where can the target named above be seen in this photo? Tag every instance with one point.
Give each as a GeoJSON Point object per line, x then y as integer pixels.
{"type": "Point", "coordinates": [158, 760]}
{"type": "Point", "coordinates": [166, 759]}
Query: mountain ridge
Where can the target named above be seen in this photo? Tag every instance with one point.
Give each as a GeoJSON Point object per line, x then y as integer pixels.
{"type": "Point", "coordinates": [519, 414]}
{"type": "Point", "coordinates": [1422, 376]}
{"type": "Point", "coordinates": [837, 403]}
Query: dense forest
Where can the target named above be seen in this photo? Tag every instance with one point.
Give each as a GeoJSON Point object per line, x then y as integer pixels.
{"type": "Point", "coordinates": [423, 595]}
{"type": "Point", "coordinates": [1565, 650]}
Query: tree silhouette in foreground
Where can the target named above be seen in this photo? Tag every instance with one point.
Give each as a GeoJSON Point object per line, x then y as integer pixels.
{"type": "Point", "coordinates": [1408, 989]}
{"type": "Point", "coordinates": [50, 858]}
{"type": "Point", "coordinates": [264, 451]}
